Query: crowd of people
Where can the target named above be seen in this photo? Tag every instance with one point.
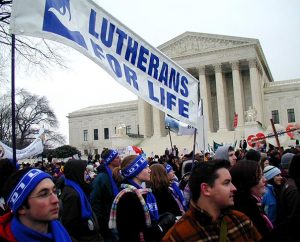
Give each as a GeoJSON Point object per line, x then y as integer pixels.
{"type": "Point", "coordinates": [230, 195]}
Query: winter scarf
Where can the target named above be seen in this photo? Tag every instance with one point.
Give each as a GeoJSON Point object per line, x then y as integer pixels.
{"type": "Point", "coordinates": [23, 233]}
{"type": "Point", "coordinates": [86, 210]}
{"type": "Point", "coordinates": [139, 192]}
{"type": "Point", "coordinates": [112, 181]}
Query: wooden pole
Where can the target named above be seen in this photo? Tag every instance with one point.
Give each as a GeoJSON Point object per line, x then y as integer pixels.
{"type": "Point", "coordinates": [276, 137]}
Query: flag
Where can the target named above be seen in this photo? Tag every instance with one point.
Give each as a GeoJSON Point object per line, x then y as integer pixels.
{"type": "Point", "coordinates": [216, 146]}
{"type": "Point", "coordinates": [128, 58]}
{"type": "Point", "coordinates": [235, 120]}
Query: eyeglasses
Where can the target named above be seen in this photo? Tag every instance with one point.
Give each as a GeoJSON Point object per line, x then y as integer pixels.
{"type": "Point", "coordinates": [45, 194]}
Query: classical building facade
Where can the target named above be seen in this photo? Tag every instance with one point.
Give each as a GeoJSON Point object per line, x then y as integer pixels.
{"type": "Point", "coordinates": [234, 78]}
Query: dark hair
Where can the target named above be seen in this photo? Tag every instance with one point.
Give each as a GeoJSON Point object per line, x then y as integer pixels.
{"type": "Point", "coordinates": [253, 155]}
{"type": "Point", "coordinates": [294, 170]}
{"type": "Point", "coordinates": [6, 169]}
{"type": "Point", "coordinates": [245, 174]}
{"type": "Point", "coordinates": [12, 181]}
{"type": "Point", "coordinates": [205, 172]}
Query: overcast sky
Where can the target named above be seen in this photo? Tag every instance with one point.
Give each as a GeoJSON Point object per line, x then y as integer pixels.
{"type": "Point", "coordinates": [275, 23]}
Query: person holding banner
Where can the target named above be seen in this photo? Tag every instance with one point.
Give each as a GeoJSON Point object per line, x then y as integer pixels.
{"type": "Point", "coordinates": [31, 196]}
{"type": "Point", "coordinates": [134, 215]}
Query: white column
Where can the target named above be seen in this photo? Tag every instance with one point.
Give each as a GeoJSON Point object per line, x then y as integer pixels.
{"type": "Point", "coordinates": [238, 93]}
{"type": "Point", "coordinates": [221, 90]}
{"type": "Point", "coordinates": [158, 122]}
{"type": "Point", "coordinates": [256, 89]}
{"type": "Point", "coordinates": [206, 96]}
{"type": "Point", "coordinates": [145, 118]}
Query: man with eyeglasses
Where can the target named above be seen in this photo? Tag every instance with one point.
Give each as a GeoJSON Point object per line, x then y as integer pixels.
{"type": "Point", "coordinates": [31, 195]}
{"type": "Point", "coordinates": [226, 153]}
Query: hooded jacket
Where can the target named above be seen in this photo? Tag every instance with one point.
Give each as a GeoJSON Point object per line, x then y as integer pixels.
{"type": "Point", "coordinates": [81, 229]}
{"type": "Point", "coordinates": [222, 152]}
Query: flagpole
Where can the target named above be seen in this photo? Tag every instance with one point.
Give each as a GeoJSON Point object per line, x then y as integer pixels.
{"type": "Point", "coordinates": [168, 127]}
{"type": "Point", "coordinates": [13, 106]}
{"type": "Point", "coordinates": [195, 130]}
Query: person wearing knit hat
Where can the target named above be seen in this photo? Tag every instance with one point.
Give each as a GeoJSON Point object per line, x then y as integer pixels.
{"type": "Point", "coordinates": [134, 214]}
{"type": "Point", "coordinates": [31, 195]}
{"type": "Point", "coordinates": [104, 190]}
{"type": "Point", "coordinates": [273, 186]}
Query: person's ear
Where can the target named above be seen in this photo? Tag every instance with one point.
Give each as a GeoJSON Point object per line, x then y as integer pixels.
{"type": "Point", "coordinates": [205, 189]}
{"type": "Point", "coordinates": [22, 210]}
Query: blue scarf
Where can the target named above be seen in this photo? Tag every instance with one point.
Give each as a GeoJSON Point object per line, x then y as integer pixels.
{"type": "Point", "coordinates": [112, 181]}
{"type": "Point", "coordinates": [86, 210]}
{"type": "Point", "coordinates": [178, 194]}
{"type": "Point", "coordinates": [150, 201]}
{"type": "Point", "coordinates": [23, 233]}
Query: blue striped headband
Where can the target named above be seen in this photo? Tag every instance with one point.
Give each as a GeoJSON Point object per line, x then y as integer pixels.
{"type": "Point", "coordinates": [138, 164]}
{"type": "Point", "coordinates": [111, 156]}
{"type": "Point", "coordinates": [25, 186]}
{"type": "Point", "coordinates": [168, 168]}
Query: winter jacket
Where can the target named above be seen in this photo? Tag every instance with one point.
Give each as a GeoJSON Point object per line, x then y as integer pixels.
{"type": "Point", "coordinates": [5, 228]}
{"type": "Point", "coordinates": [102, 197]}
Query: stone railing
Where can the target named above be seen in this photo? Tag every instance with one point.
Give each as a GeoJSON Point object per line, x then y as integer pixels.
{"type": "Point", "coordinates": [137, 136]}
{"type": "Point", "coordinates": [280, 83]}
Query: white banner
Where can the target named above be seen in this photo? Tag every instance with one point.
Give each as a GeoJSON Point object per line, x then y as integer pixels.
{"type": "Point", "coordinates": [129, 59]}
{"type": "Point", "coordinates": [35, 148]}
{"type": "Point", "coordinates": [178, 127]}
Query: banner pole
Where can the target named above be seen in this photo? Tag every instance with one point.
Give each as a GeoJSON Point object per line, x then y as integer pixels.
{"type": "Point", "coordinates": [170, 139]}
{"type": "Point", "coordinates": [13, 106]}
{"type": "Point", "coordinates": [195, 130]}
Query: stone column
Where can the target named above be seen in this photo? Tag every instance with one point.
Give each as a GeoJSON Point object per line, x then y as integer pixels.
{"type": "Point", "coordinates": [222, 102]}
{"type": "Point", "coordinates": [238, 93]}
{"type": "Point", "coordinates": [256, 89]}
{"type": "Point", "coordinates": [145, 118]}
{"type": "Point", "coordinates": [206, 96]}
{"type": "Point", "coordinates": [158, 122]}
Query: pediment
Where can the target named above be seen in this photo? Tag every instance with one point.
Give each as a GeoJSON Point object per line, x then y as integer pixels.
{"type": "Point", "coordinates": [193, 43]}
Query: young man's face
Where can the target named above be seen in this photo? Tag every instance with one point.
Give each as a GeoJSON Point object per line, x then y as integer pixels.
{"type": "Point", "coordinates": [232, 158]}
{"type": "Point", "coordinates": [222, 192]}
{"type": "Point", "coordinates": [43, 203]}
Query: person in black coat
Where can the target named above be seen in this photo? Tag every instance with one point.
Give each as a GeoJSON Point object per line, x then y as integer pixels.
{"type": "Point", "coordinates": [159, 183]}
{"type": "Point", "coordinates": [77, 215]}
{"type": "Point", "coordinates": [248, 178]}
{"type": "Point", "coordinates": [134, 214]}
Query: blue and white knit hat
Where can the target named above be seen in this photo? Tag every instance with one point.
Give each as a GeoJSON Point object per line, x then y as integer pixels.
{"type": "Point", "coordinates": [169, 168]}
{"type": "Point", "coordinates": [270, 172]}
{"type": "Point", "coordinates": [138, 164]}
{"type": "Point", "coordinates": [24, 187]}
{"type": "Point", "coordinates": [112, 154]}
